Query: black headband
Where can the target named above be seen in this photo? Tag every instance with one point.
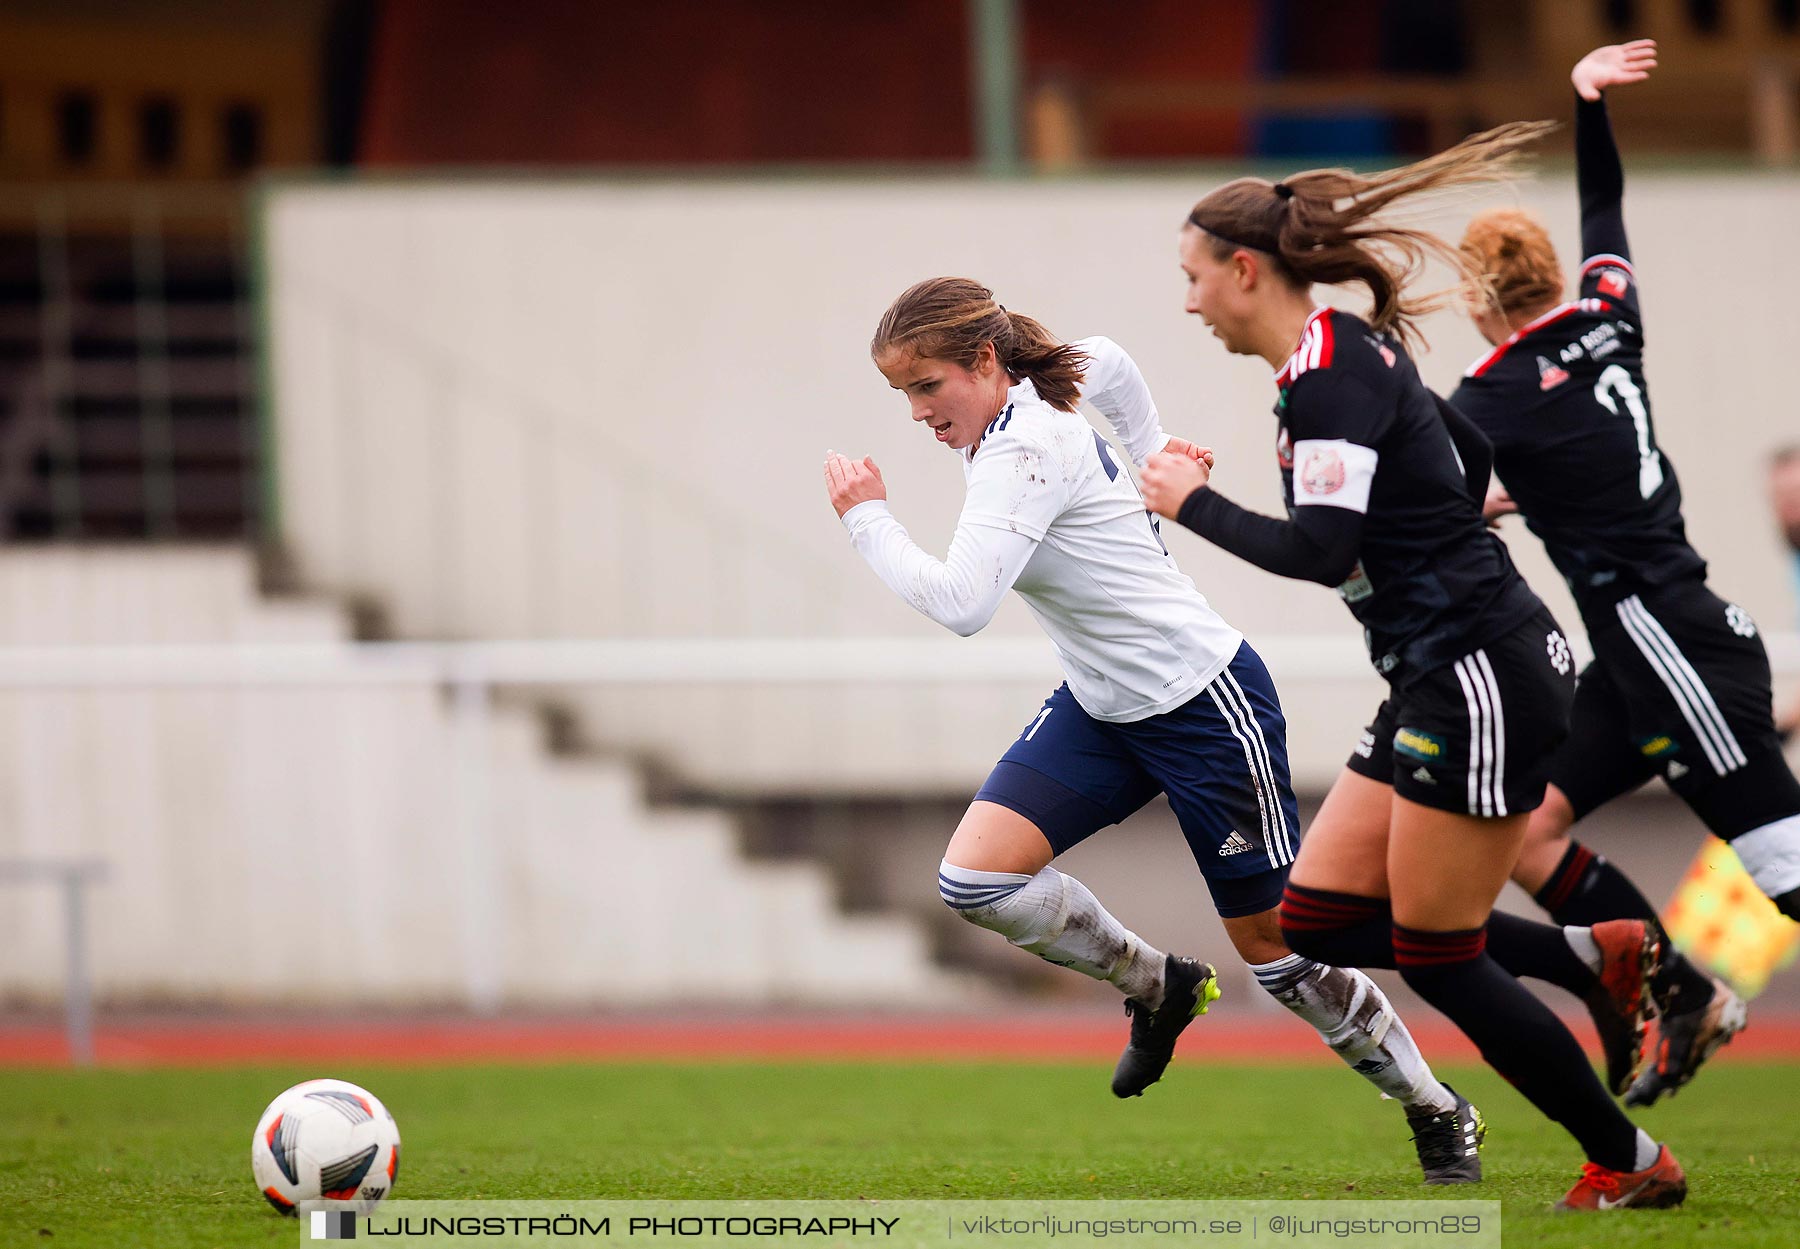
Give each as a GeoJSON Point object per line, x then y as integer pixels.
{"type": "Point", "coordinates": [1283, 192]}
{"type": "Point", "coordinates": [1194, 220]}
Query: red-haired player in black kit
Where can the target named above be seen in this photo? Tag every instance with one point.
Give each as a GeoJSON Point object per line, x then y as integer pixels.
{"type": "Point", "coordinates": [1679, 686]}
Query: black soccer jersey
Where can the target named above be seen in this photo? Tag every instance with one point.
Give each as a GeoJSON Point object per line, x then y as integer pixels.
{"type": "Point", "coordinates": [1431, 583]}
{"type": "Point", "coordinates": [1566, 407]}
{"type": "Point", "coordinates": [1373, 475]}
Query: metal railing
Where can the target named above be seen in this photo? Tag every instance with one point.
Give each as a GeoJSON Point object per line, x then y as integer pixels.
{"type": "Point", "coordinates": [471, 672]}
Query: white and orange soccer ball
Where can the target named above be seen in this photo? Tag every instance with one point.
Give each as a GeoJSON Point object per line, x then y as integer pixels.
{"type": "Point", "coordinates": [325, 1145]}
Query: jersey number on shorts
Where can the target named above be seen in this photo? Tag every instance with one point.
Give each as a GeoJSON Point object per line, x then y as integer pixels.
{"type": "Point", "coordinates": [1112, 474]}
{"type": "Point", "coordinates": [1616, 379]}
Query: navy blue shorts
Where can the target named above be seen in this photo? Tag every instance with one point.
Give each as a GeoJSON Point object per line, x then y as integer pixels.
{"type": "Point", "coordinates": [1221, 757]}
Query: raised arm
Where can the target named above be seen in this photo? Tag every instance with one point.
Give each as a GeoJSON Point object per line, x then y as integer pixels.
{"type": "Point", "coordinates": [1600, 177]}
{"type": "Point", "coordinates": [1117, 389]}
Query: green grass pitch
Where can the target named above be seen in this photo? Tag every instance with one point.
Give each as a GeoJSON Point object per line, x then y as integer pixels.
{"type": "Point", "coordinates": [113, 1158]}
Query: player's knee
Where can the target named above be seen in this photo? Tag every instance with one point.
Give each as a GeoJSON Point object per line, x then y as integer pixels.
{"type": "Point", "coordinates": [982, 898]}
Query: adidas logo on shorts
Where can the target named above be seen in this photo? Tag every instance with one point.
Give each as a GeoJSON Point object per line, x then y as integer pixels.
{"type": "Point", "coordinates": [1424, 777]}
{"type": "Point", "coordinates": [1234, 844]}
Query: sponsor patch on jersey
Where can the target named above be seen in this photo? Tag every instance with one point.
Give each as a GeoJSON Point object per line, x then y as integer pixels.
{"type": "Point", "coordinates": [1355, 589]}
{"type": "Point", "coordinates": [1416, 744]}
{"type": "Point", "coordinates": [1613, 282]}
{"type": "Point", "coordinates": [1323, 472]}
{"type": "Point", "coordinates": [1658, 746]}
{"type": "Point", "coordinates": [1550, 375]}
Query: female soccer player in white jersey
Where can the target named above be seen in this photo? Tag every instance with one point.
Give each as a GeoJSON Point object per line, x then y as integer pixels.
{"type": "Point", "coordinates": [1383, 484]}
{"type": "Point", "coordinates": [1679, 686]}
{"type": "Point", "coordinates": [1162, 696]}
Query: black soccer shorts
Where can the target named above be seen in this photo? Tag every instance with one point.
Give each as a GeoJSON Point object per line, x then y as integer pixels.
{"type": "Point", "coordinates": [1477, 736]}
{"type": "Point", "coordinates": [1679, 688]}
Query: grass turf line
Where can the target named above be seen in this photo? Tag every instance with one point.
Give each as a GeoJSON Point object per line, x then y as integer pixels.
{"type": "Point", "coordinates": [111, 1158]}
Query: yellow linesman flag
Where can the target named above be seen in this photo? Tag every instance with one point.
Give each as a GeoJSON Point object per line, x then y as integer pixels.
{"type": "Point", "coordinates": [1722, 921]}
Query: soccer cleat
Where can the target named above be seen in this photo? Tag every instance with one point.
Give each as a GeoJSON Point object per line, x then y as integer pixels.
{"type": "Point", "coordinates": [1657, 1187]}
{"type": "Point", "coordinates": [1449, 1143]}
{"type": "Point", "coordinates": [1685, 1041]}
{"type": "Point", "coordinates": [1621, 1003]}
{"type": "Point", "coordinates": [1189, 987]}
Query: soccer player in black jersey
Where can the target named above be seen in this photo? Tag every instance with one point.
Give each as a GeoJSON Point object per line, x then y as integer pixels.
{"type": "Point", "coordinates": [1679, 686]}
{"type": "Point", "coordinates": [1383, 484]}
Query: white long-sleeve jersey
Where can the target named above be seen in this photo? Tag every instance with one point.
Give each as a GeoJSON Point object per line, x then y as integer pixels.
{"type": "Point", "coordinates": [1051, 514]}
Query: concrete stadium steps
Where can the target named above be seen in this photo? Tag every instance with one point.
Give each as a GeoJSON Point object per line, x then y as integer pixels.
{"type": "Point", "coordinates": [303, 844]}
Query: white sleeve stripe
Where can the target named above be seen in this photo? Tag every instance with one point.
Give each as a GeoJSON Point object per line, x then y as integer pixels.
{"type": "Point", "coordinates": [1605, 258]}
{"type": "Point", "coordinates": [1333, 472]}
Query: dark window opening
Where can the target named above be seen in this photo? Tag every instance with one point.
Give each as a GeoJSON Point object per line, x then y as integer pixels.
{"type": "Point", "coordinates": [1620, 14]}
{"type": "Point", "coordinates": [1787, 13]}
{"type": "Point", "coordinates": [159, 132]}
{"type": "Point", "coordinates": [242, 130]}
{"type": "Point", "coordinates": [1705, 15]}
{"type": "Point", "coordinates": [77, 126]}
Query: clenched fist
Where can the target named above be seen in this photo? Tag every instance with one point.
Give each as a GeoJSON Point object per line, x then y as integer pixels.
{"type": "Point", "coordinates": [849, 482]}
{"type": "Point", "coordinates": [1169, 477]}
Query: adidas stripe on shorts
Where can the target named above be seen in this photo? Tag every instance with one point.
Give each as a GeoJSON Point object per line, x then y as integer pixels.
{"type": "Point", "coordinates": [1477, 736]}
{"type": "Point", "coordinates": [1679, 687]}
{"type": "Point", "coordinates": [1221, 757]}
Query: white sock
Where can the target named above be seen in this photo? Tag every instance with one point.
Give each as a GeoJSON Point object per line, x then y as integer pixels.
{"type": "Point", "coordinates": [1581, 940]}
{"type": "Point", "coordinates": [1354, 1017]}
{"type": "Point", "coordinates": [1057, 918]}
{"type": "Point", "coordinates": [1648, 1151]}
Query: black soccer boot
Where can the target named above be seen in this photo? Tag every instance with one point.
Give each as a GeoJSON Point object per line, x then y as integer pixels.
{"type": "Point", "coordinates": [1189, 987]}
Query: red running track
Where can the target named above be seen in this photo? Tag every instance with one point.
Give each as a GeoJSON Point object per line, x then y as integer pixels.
{"type": "Point", "coordinates": [153, 1042]}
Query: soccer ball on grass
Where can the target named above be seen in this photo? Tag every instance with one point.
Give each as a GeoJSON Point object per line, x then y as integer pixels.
{"type": "Point", "coordinates": [327, 1145]}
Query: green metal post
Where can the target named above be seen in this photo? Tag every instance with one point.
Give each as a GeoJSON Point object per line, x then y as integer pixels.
{"type": "Point", "coordinates": [994, 64]}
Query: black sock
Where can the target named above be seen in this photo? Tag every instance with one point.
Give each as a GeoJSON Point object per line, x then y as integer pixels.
{"type": "Point", "coordinates": [1337, 929]}
{"type": "Point", "coordinates": [1585, 889]}
{"type": "Point", "coordinates": [1524, 947]}
{"type": "Point", "coordinates": [1518, 1036]}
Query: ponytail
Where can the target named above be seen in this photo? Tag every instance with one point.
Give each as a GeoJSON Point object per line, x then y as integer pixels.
{"type": "Point", "coordinates": [1321, 226]}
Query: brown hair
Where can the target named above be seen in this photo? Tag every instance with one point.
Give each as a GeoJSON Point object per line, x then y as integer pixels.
{"type": "Point", "coordinates": [1514, 262]}
{"type": "Point", "coordinates": [951, 318]}
{"type": "Point", "coordinates": [1320, 225]}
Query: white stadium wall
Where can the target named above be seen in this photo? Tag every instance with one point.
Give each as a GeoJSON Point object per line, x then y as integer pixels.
{"type": "Point", "coordinates": [317, 842]}
{"type": "Point", "coordinates": [572, 409]}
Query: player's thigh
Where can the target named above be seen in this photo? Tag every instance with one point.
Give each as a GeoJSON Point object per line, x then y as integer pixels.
{"type": "Point", "coordinates": [993, 838]}
{"type": "Point", "coordinates": [1446, 869]}
{"type": "Point", "coordinates": [1064, 778]}
{"type": "Point", "coordinates": [1345, 849]}
{"type": "Point", "coordinates": [1222, 759]}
